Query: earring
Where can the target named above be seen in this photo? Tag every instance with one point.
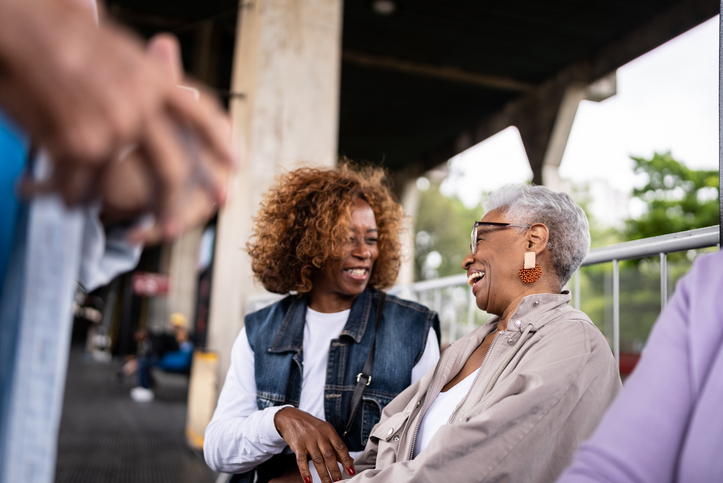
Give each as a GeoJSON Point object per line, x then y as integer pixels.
{"type": "Point", "coordinates": [530, 271]}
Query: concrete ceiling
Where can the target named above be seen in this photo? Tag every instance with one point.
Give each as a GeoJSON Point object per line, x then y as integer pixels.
{"type": "Point", "coordinates": [435, 78]}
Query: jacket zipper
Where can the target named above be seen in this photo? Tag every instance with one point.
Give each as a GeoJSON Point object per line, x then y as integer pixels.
{"type": "Point", "coordinates": [424, 405]}
{"type": "Point", "coordinates": [464, 399]}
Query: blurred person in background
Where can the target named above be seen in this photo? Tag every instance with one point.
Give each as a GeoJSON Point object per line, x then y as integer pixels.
{"type": "Point", "coordinates": [511, 400]}
{"type": "Point", "coordinates": [176, 360]}
{"type": "Point", "coordinates": [298, 386]}
{"type": "Point", "coordinates": [97, 134]}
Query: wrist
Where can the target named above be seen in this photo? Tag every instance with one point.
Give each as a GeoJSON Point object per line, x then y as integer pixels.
{"type": "Point", "coordinates": [278, 420]}
{"type": "Point", "coordinates": [267, 430]}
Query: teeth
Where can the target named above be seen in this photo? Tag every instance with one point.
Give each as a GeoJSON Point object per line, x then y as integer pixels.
{"type": "Point", "coordinates": [474, 277]}
{"type": "Point", "coordinates": [356, 272]}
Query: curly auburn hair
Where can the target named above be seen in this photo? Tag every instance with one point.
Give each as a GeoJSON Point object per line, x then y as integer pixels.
{"type": "Point", "coordinates": [303, 224]}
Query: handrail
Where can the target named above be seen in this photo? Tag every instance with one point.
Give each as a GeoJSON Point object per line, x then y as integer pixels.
{"type": "Point", "coordinates": [647, 247]}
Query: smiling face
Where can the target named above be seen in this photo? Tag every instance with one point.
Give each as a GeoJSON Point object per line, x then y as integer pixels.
{"type": "Point", "coordinates": [493, 270]}
{"type": "Point", "coordinates": [337, 285]}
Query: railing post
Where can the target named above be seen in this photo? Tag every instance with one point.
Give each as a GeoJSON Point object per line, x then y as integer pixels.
{"type": "Point", "coordinates": [663, 280]}
{"type": "Point", "coordinates": [616, 312]}
{"type": "Point", "coordinates": [471, 307]}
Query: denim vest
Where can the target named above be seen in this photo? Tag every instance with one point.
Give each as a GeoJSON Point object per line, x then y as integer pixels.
{"type": "Point", "coordinates": [276, 333]}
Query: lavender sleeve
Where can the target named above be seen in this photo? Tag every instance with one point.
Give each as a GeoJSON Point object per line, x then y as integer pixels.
{"type": "Point", "coordinates": [666, 424]}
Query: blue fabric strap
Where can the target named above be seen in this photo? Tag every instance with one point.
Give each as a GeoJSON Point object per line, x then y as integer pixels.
{"type": "Point", "coordinates": [13, 152]}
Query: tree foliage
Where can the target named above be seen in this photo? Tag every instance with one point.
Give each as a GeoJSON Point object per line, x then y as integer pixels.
{"type": "Point", "coordinates": [442, 233]}
{"type": "Point", "coordinates": [677, 198]}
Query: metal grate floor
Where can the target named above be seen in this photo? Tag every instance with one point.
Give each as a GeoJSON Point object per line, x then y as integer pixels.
{"type": "Point", "coordinates": [105, 437]}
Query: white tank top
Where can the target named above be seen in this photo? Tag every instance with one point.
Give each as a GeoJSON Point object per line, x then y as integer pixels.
{"type": "Point", "coordinates": [441, 410]}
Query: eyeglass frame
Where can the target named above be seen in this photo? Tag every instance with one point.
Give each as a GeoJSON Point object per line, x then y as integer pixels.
{"type": "Point", "coordinates": [473, 243]}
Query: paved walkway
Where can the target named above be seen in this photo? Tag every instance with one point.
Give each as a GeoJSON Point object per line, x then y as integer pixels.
{"type": "Point", "coordinates": [105, 437]}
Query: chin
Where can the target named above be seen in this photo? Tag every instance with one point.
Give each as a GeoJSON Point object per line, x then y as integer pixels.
{"type": "Point", "coordinates": [356, 290]}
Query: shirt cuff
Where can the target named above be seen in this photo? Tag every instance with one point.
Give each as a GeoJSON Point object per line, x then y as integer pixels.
{"type": "Point", "coordinates": [268, 435]}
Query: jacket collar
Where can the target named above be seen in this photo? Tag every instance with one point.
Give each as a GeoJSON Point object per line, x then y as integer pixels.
{"type": "Point", "coordinates": [290, 337]}
{"type": "Point", "coordinates": [536, 309]}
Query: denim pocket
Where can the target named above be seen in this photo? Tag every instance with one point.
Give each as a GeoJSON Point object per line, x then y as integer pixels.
{"type": "Point", "coordinates": [372, 406]}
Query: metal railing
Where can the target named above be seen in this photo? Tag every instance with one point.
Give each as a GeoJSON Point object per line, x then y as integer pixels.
{"type": "Point", "coordinates": [453, 300]}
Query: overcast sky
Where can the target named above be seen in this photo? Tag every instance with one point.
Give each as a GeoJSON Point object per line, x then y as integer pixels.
{"type": "Point", "coordinates": [667, 100]}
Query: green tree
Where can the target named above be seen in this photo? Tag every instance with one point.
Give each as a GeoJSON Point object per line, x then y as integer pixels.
{"type": "Point", "coordinates": [677, 198]}
{"type": "Point", "coordinates": [442, 233]}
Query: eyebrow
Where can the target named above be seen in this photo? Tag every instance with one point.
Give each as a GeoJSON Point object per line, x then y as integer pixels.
{"type": "Point", "coordinates": [369, 230]}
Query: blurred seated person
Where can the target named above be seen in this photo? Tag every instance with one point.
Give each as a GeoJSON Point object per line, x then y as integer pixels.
{"type": "Point", "coordinates": [511, 400]}
{"type": "Point", "coordinates": [174, 361]}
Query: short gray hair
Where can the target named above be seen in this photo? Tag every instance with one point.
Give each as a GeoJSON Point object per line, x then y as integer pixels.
{"type": "Point", "coordinates": [566, 221]}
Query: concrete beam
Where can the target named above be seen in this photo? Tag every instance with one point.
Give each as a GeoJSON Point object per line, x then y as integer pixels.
{"type": "Point", "coordinates": [676, 20]}
{"type": "Point", "coordinates": [443, 72]}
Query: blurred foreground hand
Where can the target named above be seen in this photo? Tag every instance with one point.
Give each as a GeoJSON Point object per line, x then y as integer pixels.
{"type": "Point", "coordinates": [92, 95]}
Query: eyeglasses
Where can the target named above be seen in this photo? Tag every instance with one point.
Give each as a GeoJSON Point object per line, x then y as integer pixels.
{"type": "Point", "coordinates": [492, 224]}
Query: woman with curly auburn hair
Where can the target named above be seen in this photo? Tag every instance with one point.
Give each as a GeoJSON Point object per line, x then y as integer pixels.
{"type": "Point", "coordinates": [311, 373]}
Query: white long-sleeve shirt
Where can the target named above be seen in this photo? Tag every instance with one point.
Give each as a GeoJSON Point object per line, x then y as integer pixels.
{"type": "Point", "coordinates": [240, 436]}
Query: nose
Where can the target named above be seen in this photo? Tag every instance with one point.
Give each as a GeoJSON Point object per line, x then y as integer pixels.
{"type": "Point", "coordinates": [468, 261]}
{"type": "Point", "coordinates": [361, 250]}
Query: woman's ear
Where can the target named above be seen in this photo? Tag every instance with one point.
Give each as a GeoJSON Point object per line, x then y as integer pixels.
{"type": "Point", "coordinates": [537, 237]}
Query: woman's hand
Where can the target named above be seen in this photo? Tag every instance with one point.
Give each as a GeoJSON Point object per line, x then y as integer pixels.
{"type": "Point", "coordinates": [307, 435]}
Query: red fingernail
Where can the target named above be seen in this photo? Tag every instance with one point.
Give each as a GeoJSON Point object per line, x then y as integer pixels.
{"type": "Point", "coordinates": [350, 471]}
{"type": "Point", "coordinates": [307, 479]}
{"type": "Point", "coordinates": [337, 479]}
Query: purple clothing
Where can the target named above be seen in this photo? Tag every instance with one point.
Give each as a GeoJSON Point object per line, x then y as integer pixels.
{"type": "Point", "coordinates": [667, 424]}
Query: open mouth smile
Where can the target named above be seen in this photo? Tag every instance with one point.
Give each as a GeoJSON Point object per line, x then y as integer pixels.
{"type": "Point", "coordinates": [357, 273]}
{"type": "Point", "coordinates": [474, 278]}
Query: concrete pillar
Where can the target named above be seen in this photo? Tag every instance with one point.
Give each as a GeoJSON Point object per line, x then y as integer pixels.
{"type": "Point", "coordinates": [287, 65]}
{"type": "Point", "coordinates": [158, 310]}
{"type": "Point", "coordinates": [546, 123]}
{"type": "Point", "coordinates": [598, 91]}
{"type": "Point", "coordinates": [182, 254]}
{"type": "Point", "coordinates": [410, 202]}
{"type": "Point", "coordinates": [560, 133]}
{"type": "Point", "coordinates": [183, 275]}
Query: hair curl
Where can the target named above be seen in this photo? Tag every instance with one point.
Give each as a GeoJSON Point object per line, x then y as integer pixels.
{"type": "Point", "coordinates": [566, 222]}
{"type": "Point", "coordinates": [303, 224]}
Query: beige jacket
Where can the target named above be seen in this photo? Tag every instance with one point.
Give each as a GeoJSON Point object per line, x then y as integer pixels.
{"type": "Point", "coordinates": [548, 398]}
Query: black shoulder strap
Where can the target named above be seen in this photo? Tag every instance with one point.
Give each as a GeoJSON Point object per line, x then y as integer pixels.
{"type": "Point", "coordinates": [364, 378]}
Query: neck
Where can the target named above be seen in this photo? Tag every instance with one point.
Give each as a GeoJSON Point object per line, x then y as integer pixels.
{"type": "Point", "coordinates": [329, 303]}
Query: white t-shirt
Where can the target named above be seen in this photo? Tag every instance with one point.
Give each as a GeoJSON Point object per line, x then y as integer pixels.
{"type": "Point", "coordinates": [441, 410]}
{"type": "Point", "coordinates": [320, 329]}
{"type": "Point", "coordinates": [240, 436]}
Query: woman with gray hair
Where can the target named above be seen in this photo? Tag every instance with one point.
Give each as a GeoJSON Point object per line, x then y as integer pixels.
{"type": "Point", "coordinates": [511, 400]}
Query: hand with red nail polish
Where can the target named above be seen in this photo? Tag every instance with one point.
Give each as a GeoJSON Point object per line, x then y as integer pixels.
{"type": "Point", "coordinates": [317, 439]}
